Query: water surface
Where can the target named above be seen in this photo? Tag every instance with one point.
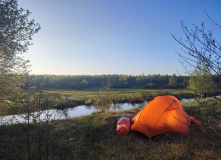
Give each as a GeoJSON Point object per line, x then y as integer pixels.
{"type": "Point", "coordinates": [54, 114]}
{"type": "Point", "coordinates": [82, 110]}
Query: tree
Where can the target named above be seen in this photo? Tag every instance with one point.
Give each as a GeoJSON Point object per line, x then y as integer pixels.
{"type": "Point", "coordinates": [201, 81]}
{"type": "Point", "coordinates": [84, 83]}
{"type": "Point", "coordinates": [103, 101]}
{"type": "Point", "coordinates": [199, 45]}
{"type": "Point", "coordinates": [16, 31]}
{"type": "Point", "coordinates": [173, 81]}
{"type": "Point", "coordinates": [201, 55]}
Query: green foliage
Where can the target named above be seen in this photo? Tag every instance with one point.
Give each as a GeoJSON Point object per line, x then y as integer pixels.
{"type": "Point", "coordinates": [84, 83]}
{"type": "Point", "coordinates": [117, 81]}
{"type": "Point", "coordinates": [104, 101]}
{"type": "Point", "coordinates": [150, 85]}
{"type": "Point", "coordinates": [201, 82]}
{"type": "Point", "coordinates": [202, 52]}
{"type": "Point", "coordinates": [173, 81]}
{"type": "Point", "coordinates": [16, 31]}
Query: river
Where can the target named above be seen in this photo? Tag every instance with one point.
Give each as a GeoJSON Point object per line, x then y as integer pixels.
{"type": "Point", "coordinates": [54, 114]}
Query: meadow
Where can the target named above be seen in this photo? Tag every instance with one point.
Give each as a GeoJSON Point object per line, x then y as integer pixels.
{"type": "Point", "coordinates": [117, 95]}
{"type": "Point", "coordinates": [68, 98]}
{"type": "Point", "coordinates": [94, 91]}
{"type": "Point", "coordinates": [94, 137]}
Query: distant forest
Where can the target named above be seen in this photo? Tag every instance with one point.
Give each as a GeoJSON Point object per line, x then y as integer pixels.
{"type": "Point", "coordinates": [117, 81]}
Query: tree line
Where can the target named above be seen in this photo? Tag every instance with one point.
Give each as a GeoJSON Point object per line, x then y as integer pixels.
{"type": "Point", "coordinates": [155, 81]}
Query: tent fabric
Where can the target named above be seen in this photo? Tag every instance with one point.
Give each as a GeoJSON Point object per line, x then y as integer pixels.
{"type": "Point", "coordinates": [162, 114]}
{"type": "Point", "coordinates": [123, 126]}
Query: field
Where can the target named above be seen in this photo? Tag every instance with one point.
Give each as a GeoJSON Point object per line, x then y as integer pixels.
{"type": "Point", "coordinates": [93, 137]}
{"type": "Point", "coordinates": [94, 91]}
{"type": "Point", "coordinates": [61, 99]}
{"type": "Point", "coordinates": [117, 95]}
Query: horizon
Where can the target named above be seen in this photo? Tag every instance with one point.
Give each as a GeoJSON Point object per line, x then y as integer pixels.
{"type": "Point", "coordinates": [109, 75]}
{"type": "Point", "coordinates": [113, 37]}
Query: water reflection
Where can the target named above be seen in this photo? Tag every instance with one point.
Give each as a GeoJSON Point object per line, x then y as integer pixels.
{"type": "Point", "coordinates": [78, 111]}
{"type": "Point", "coordinates": [187, 99]}
{"type": "Point", "coordinates": [55, 114]}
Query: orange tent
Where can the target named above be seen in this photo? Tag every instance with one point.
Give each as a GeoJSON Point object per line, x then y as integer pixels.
{"type": "Point", "coordinates": [162, 114]}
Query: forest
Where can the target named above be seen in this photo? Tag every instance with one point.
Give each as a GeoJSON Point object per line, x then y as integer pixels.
{"type": "Point", "coordinates": [155, 81]}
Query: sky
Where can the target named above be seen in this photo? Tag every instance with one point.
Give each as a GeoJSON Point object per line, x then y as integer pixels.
{"type": "Point", "coordinates": [94, 37]}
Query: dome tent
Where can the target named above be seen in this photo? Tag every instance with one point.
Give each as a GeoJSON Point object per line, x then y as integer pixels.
{"type": "Point", "coordinates": [162, 114]}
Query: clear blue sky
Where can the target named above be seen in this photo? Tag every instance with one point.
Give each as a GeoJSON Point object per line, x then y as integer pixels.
{"type": "Point", "coordinates": [92, 37]}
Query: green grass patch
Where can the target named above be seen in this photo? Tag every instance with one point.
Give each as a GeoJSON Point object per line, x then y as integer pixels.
{"type": "Point", "coordinates": [94, 91]}
{"type": "Point", "coordinates": [93, 137]}
{"type": "Point", "coordinates": [61, 99]}
{"type": "Point", "coordinates": [118, 95]}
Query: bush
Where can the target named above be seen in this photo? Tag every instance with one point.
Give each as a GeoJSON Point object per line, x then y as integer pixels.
{"type": "Point", "coordinates": [150, 86]}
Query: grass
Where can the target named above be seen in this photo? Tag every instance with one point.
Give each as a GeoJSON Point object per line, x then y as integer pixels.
{"type": "Point", "coordinates": [117, 95]}
{"type": "Point", "coordinates": [93, 137]}
{"type": "Point", "coordinates": [94, 91]}
{"type": "Point", "coordinates": [89, 96]}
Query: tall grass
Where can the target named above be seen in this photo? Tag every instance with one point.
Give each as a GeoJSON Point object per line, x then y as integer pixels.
{"type": "Point", "coordinates": [93, 137]}
{"type": "Point", "coordinates": [141, 96]}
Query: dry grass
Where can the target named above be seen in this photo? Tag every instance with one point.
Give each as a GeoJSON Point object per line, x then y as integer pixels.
{"type": "Point", "coordinates": [93, 137]}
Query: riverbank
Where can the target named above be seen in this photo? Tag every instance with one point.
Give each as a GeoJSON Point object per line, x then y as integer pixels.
{"type": "Point", "coordinates": [93, 137]}
{"type": "Point", "coordinates": [55, 114]}
{"type": "Point", "coordinates": [63, 99]}
{"type": "Point", "coordinates": [73, 98]}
